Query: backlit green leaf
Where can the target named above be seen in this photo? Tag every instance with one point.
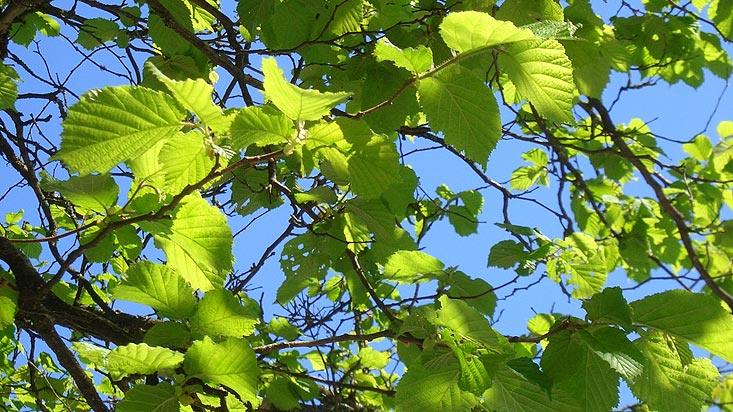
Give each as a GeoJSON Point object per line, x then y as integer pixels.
{"type": "Point", "coordinates": [220, 313]}
{"type": "Point", "coordinates": [512, 392]}
{"type": "Point", "coordinates": [297, 103]}
{"type": "Point", "coordinates": [457, 103]}
{"type": "Point", "coordinates": [112, 125]}
{"type": "Point", "coordinates": [197, 242]}
{"type": "Point", "coordinates": [669, 384]}
{"type": "Point", "coordinates": [195, 96]}
{"type": "Point", "coordinates": [93, 192]}
{"type": "Point", "coordinates": [8, 87]}
{"type": "Point", "coordinates": [410, 266]}
{"type": "Point", "coordinates": [416, 60]}
{"type": "Point", "coordinates": [468, 30]}
{"type": "Point", "coordinates": [255, 125]}
{"type": "Point", "coordinates": [543, 75]}
{"type": "Point", "coordinates": [185, 159]}
{"type": "Point", "coordinates": [231, 363]}
{"type": "Point", "coordinates": [159, 287]}
{"type": "Point", "coordinates": [694, 317]}
{"type": "Point", "coordinates": [141, 359]}
{"type": "Point", "coordinates": [145, 398]}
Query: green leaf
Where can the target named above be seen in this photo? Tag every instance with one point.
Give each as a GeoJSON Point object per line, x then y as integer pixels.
{"type": "Point", "coordinates": [373, 359]}
{"type": "Point", "coordinates": [612, 345]}
{"type": "Point", "coordinates": [197, 242]}
{"type": "Point", "coordinates": [256, 125]}
{"type": "Point", "coordinates": [694, 317]}
{"type": "Point", "coordinates": [577, 369]}
{"type": "Point", "coordinates": [468, 30]}
{"type": "Point", "coordinates": [699, 148]}
{"type": "Point", "coordinates": [231, 363]}
{"type": "Point", "coordinates": [506, 253]}
{"type": "Point", "coordinates": [141, 359]}
{"type": "Point", "coordinates": [526, 176]}
{"type": "Point", "coordinates": [97, 31]}
{"type": "Point", "coordinates": [165, 37]}
{"type": "Point", "coordinates": [415, 59]}
{"type": "Point", "coordinates": [530, 11]}
{"type": "Point", "coordinates": [8, 87]}
{"type": "Point", "coordinates": [609, 306]}
{"type": "Point", "coordinates": [543, 75]}
{"type": "Point", "coordinates": [168, 334]}
{"type": "Point", "coordinates": [112, 125]}
{"type": "Point", "coordinates": [410, 266]}
{"type": "Point", "coordinates": [281, 327]}
{"type": "Point", "coordinates": [8, 301]}
{"type": "Point", "coordinates": [668, 383]}
{"type": "Point", "coordinates": [93, 355]}
{"type": "Point", "coordinates": [297, 103]}
{"type": "Point", "coordinates": [186, 159]}
{"type": "Point", "coordinates": [512, 392]}
{"type": "Point", "coordinates": [466, 322]}
{"type": "Point", "coordinates": [219, 313]}
{"type": "Point", "coordinates": [475, 292]}
{"type": "Point", "coordinates": [460, 105]}
{"type": "Point", "coordinates": [145, 398]}
{"type": "Point", "coordinates": [591, 66]}
{"type": "Point", "coordinates": [195, 96]}
{"type": "Point", "coordinates": [24, 33]}
{"type": "Point", "coordinates": [433, 386]}
{"type": "Point", "coordinates": [93, 192]}
{"type": "Point", "coordinates": [721, 13]}
{"type": "Point", "coordinates": [159, 287]}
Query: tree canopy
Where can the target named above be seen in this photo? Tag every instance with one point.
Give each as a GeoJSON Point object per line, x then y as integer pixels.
{"type": "Point", "coordinates": [245, 206]}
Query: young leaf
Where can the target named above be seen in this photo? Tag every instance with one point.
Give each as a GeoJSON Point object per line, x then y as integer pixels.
{"type": "Point", "coordinates": [231, 363]}
{"type": "Point", "coordinates": [297, 103]}
{"type": "Point", "coordinates": [219, 313]}
{"type": "Point", "coordinates": [159, 287]}
{"type": "Point", "coordinates": [696, 318]}
{"type": "Point", "coordinates": [458, 103]}
{"type": "Point", "coordinates": [126, 121]}
{"type": "Point", "coordinates": [468, 30]}
{"type": "Point", "coordinates": [141, 359]}
{"type": "Point", "coordinates": [197, 242]}
{"type": "Point", "coordinates": [543, 75]}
